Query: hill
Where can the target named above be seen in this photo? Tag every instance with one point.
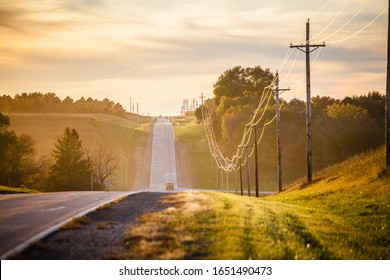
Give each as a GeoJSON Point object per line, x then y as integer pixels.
{"type": "Point", "coordinates": [128, 139]}
{"type": "Point", "coordinates": [345, 214]}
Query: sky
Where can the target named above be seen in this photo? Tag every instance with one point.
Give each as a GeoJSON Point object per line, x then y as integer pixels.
{"type": "Point", "coordinates": [159, 53]}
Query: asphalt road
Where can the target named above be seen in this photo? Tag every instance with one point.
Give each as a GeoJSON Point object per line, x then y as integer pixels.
{"type": "Point", "coordinates": [25, 218]}
{"type": "Point", "coordinates": [163, 168]}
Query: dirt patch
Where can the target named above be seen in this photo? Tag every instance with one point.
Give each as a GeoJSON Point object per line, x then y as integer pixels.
{"type": "Point", "coordinates": [102, 237]}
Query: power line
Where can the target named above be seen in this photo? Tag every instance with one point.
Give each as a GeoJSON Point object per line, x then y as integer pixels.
{"type": "Point", "coordinates": [333, 20]}
{"type": "Point", "coordinates": [361, 30]}
{"type": "Point", "coordinates": [345, 24]}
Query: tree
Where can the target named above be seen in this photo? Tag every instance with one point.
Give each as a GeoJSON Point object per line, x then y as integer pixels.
{"type": "Point", "coordinates": [4, 121]}
{"type": "Point", "coordinates": [347, 112]}
{"type": "Point", "coordinates": [16, 154]}
{"type": "Point", "coordinates": [20, 160]}
{"type": "Point", "coordinates": [104, 164]}
{"type": "Point", "coordinates": [72, 168]}
{"type": "Point", "coordinates": [237, 94]}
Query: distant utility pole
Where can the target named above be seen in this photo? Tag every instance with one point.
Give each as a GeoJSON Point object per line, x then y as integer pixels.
{"type": "Point", "coordinates": [242, 190]}
{"type": "Point", "coordinates": [388, 97]}
{"type": "Point", "coordinates": [130, 106]}
{"type": "Point", "coordinates": [202, 97]}
{"type": "Point", "coordinates": [307, 49]}
{"type": "Point", "coordinates": [256, 161]}
{"type": "Point", "coordinates": [247, 170]}
{"type": "Point", "coordinates": [278, 132]}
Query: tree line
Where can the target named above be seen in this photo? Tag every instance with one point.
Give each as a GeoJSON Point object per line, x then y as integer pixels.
{"type": "Point", "coordinates": [37, 102]}
{"type": "Point", "coordinates": [71, 168]}
{"type": "Point", "coordinates": [341, 127]}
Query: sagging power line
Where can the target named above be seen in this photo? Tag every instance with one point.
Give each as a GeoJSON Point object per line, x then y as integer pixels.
{"type": "Point", "coordinates": [243, 152]}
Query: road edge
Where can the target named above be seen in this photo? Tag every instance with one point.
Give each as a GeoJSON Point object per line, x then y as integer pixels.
{"type": "Point", "coordinates": [56, 227]}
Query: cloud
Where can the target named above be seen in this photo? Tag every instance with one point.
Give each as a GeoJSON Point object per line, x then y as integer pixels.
{"type": "Point", "coordinates": [176, 47]}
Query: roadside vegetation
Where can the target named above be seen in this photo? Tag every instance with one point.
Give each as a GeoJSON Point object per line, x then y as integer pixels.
{"type": "Point", "coordinates": [192, 151]}
{"type": "Point", "coordinates": [29, 132]}
{"type": "Point", "coordinates": [341, 127]}
{"type": "Point", "coordinates": [345, 214]}
{"type": "Point", "coordinates": [11, 190]}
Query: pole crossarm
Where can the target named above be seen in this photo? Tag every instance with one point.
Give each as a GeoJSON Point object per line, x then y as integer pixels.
{"type": "Point", "coordinates": [281, 90]}
{"type": "Point", "coordinates": [302, 47]}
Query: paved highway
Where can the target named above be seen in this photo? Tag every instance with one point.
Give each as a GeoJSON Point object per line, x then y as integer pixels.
{"type": "Point", "coordinates": [163, 168]}
{"type": "Point", "coordinates": [25, 218]}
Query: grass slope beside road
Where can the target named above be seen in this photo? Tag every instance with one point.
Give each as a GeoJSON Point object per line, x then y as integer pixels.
{"type": "Point", "coordinates": [195, 167]}
{"type": "Point", "coordinates": [345, 214]}
{"type": "Point", "coordinates": [12, 190]}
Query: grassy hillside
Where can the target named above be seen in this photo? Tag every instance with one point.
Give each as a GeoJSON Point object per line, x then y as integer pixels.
{"type": "Point", "coordinates": [196, 167]}
{"type": "Point", "coordinates": [345, 214]}
{"type": "Point", "coordinates": [121, 135]}
{"type": "Point", "coordinates": [8, 190]}
{"type": "Point", "coordinates": [192, 152]}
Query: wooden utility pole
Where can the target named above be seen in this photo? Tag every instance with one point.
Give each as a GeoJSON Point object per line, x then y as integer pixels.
{"type": "Point", "coordinates": [256, 165]}
{"type": "Point", "coordinates": [307, 49]}
{"type": "Point", "coordinates": [202, 97]}
{"type": "Point", "coordinates": [388, 97]}
{"type": "Point", "coordinates": [256, 160]}
{"type": "Point", "coordinates": [247, 171]}
{"type": "Point", "coordinates": [242, 190]}
{"type": "Point", "coordinates": [278, 132]}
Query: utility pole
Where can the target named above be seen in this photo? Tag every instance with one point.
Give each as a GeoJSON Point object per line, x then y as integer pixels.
{"type": "Point", "coordinates": [278, 133]}
{"type": "Point", "coordinates": [388, 98]}
{"type": "Point", "coordinates": [227, 180]}
{"type": "Point", "coordinates": [256, 164]}
{"type": "Point", "coordinates": [247, 170]}
{"type": "Point", "coordinates": [242, 190]}
{"type": "Point", "coordinates": [307, 49]}
{"type": "Point", "coordinates": [202, 97]}
{"type": "Point", "coordinates": [130, 106]}
{"type": "Point", "coordinates": [222, 179]}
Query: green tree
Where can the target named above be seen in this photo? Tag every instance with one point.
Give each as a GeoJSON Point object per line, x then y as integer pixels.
{"type": "Point", "coordinates": [21, 160]}
{"type": "Point", "coordinates": [347, 112]}
{"type": "Point", "coordinates": [17, 155]}
{"type": "Point", "coordinates": [237, 94]}
{"type": "Point", "coordinates": [71, 170]}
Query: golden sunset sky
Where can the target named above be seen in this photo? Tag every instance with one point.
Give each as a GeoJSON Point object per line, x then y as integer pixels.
{"type": "Point", "coordinates": [161, 52]}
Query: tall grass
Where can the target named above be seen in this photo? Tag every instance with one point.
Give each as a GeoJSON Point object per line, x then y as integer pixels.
{"type": "Point", "coordinates": [345, 214]}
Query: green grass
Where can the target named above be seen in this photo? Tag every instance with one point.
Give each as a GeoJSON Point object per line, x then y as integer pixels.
{"type": "Point", "coordinates": [191, 135]}
{"type": "Point", "coordinates": [9, 190]}
{"type": "Point", "coordinates": [345, 214]}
